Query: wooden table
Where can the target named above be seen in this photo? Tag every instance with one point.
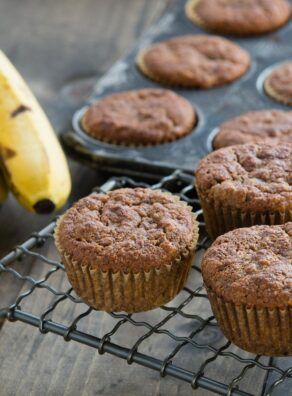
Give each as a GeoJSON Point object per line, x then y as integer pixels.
{"type": "Point", "coordinates": [61, 47]}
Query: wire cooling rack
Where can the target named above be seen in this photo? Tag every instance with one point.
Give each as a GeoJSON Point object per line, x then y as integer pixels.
{"type": "Point", "coordinates": [180, 339]}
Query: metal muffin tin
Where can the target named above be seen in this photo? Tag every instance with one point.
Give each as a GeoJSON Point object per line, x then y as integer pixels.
{"type": "Point", "coordinates": [213, 106]}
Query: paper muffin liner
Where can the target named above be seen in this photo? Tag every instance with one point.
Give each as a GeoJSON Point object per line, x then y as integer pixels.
{"type": "Point", "coordinates": [130, 291]}
{"type": "Point", "coordinates": [220, 219]}
{"type": "Point", "coordinates": [127, 291]}
{"type": "Point", "coordinates": [262, 331]}
{"type": "Point", "coordinates": [272, 93]}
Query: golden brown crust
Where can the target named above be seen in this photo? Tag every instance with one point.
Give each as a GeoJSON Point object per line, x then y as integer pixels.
{"type": "Point", "coordinates": [194, 61]}
{"type": "Point", "coordinates": [127, 230]}
{"type": "Point", "coordinates": [262, 126]}
{"type": "Point", "coordinates": [253, 178]}
{"type": "Point", "coordinates": [141, 117]}
{"type": "Point", "coordinates": [239, 17]}
{"type": "Point", "coordinates": [278, 84]}
{"type": "Point", "coordinates": [252, 266]}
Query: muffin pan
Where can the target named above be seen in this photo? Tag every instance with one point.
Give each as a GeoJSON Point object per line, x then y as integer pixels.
{"type": "Point", "coordinates": [214, 106]}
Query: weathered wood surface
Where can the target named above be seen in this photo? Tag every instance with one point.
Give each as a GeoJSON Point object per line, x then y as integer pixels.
{"type": "Point", "coordinates": [45, 364]}
{"type": "Point", "coordinates": [61, 47]}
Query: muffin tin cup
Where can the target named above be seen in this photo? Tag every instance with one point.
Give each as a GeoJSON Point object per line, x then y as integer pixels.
{"type": "Point", "coordinates": [220, 219]}
{"type": "Point", "coordinates": [261, 331]}
{"type": "Point", "coordinates": [128, 291]}
{"type": "Point", "coordinates": [91, 139]}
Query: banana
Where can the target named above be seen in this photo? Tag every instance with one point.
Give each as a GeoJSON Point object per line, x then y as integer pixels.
{"type": "Point", "coordinates": [3, 188]}
{"type": "Point", "coordinates": [32, 159]}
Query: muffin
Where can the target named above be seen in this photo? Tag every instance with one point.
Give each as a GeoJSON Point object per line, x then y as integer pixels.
{"type": "Point", "coordinates": [278, 84]}
{"type": "Point", "coordinates": [239, 17]}
{"type": "Point", "coordinates": [141, 117]}
{"type": "Point", "coordinates": [248, 276]}
{"type": "Point", "coordinates": [194, 61]}
{"type": "Point", "coordinates": [127, 250]}
{"type": "Point", "coordinates": [262, 126]}
{"type": "Point", "coordinates": [245, 185]}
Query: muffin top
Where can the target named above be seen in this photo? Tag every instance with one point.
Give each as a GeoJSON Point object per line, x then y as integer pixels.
{"type": "Point", "coordinates": [268, 126]}
{"type": "Point", "coordinates": [239, 17]}
{"type": "Point", "coordinates": [194, 61]}
{"type": "Point", "coordinates": [252, 177]}
{"type": "Point", "coordinates": [252, 266]}
{"type": "Point", "coordinates": [278, 84]}
{"type": "Point", "coordinates": [141, 117]}
{"type": "Point", "coordinates": [127, 230]}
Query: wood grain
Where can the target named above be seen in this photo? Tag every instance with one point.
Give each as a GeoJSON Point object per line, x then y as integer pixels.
{"type": "Point", "coordinates": [61, 47]}
{"type": "Point", "coordinates": [50, 366]}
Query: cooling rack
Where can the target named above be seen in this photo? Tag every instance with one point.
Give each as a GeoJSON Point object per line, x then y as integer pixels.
{"type": "Point", "coordinates": [180, 339]}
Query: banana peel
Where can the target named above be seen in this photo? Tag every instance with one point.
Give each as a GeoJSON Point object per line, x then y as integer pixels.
{"type": "Point", "coordinates": [3, 188]}
{"type": "Point", "coordinates": [32, 160]}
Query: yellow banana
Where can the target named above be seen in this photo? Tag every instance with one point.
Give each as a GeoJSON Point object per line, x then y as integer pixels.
{"type": "Point", "coordinates": [33, 162]}
{"type": "Point", "coordinates": [3, 188]}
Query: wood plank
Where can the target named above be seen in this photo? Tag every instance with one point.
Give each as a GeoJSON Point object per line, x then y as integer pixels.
{"type": "Point", "coordinates": [48, 363]}
{"type": "Point", "coordinates": [285, 388]}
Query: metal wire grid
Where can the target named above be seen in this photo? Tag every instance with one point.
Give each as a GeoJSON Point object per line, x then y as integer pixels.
{"type": "Point", "coordinates": [183, 185]}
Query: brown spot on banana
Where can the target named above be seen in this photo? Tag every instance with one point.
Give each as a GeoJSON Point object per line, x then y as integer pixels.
{"type": "Point", "coordinates": [6, 153]}
{"type": "Point", "coordinates": [5, 170]}
{"type": "Point", "coordinates": [20, 109]}
{"type": "Point", "coordinates": [7, 177]}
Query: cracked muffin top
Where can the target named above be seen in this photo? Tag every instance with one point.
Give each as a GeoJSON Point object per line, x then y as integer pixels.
{"type": "Point", "coordinates": [252, 266]}
{"type": "Point", "coordinates": [253, 177]}
{"type": "Point", "coordinates": [239, 17]}
{"type": "Point", "coordinates": [140, 117]}
{"type": "Point", "coordinates": [262, 126]}
{"type": "Point", "coordinates": [194, 61]}
{"type": "Point", "coordinates": [127, 229]}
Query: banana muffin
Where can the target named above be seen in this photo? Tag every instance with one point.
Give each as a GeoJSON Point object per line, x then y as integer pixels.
{"type": "Point", "coordinates": [128, 250]}
{"type": "Point", "coordinates": [140, 117]}
{"type": "Point", "coordinates": [262, 126]}
{"type": "Point", "coordinates": [245, 185]}
{"type": "Point", "coordinates": [278, 84]}
{"type": "Point", "coordinates": [239, 17]}
{"type": "Point", "coordinates": [248, 276]}
{"type": "Point", "coordinates": [194, 61]}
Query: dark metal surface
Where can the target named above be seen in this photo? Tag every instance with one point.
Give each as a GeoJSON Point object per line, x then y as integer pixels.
{"type": "Point", "coordinates": [191, 340]}
{"type": "Point", "coordinates": [213, 106]}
